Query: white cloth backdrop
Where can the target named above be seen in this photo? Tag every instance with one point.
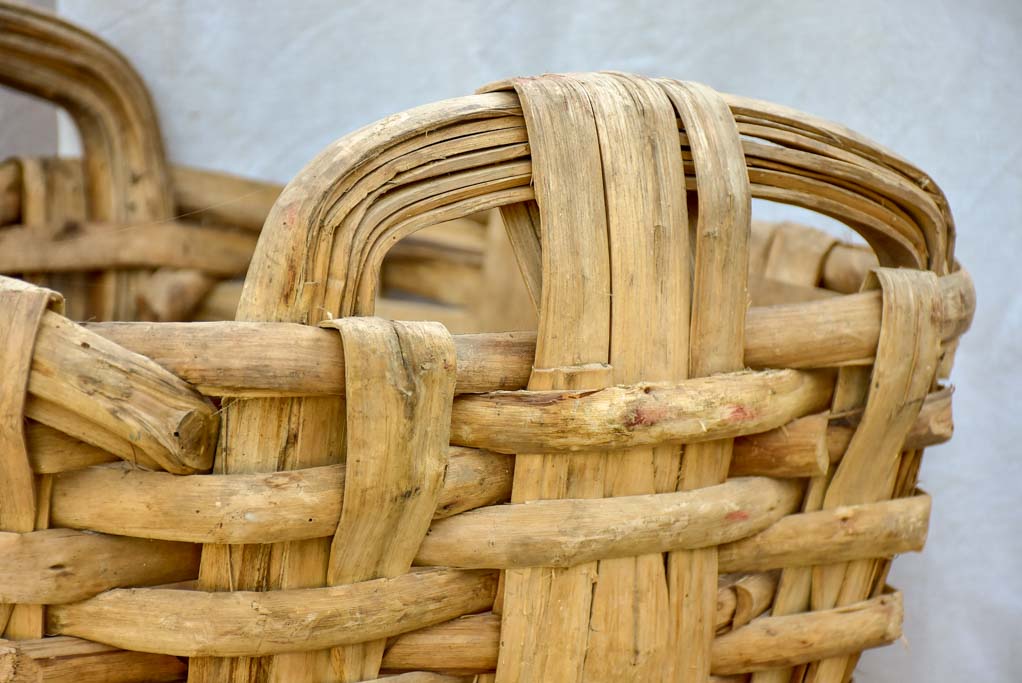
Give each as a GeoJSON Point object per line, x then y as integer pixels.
{"type": "Point", "coordinates": [259, 87]}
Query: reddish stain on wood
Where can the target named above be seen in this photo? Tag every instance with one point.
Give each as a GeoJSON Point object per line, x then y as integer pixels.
{"type": "Point", "coordinates": [644, 416]}
{"type": "Point", "coordinates": [741, 413]}
{"type": "Point", "coordinates": [737, 516]}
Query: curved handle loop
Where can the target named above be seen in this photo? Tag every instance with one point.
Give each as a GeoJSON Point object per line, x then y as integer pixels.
{"type": "Point", "coordinates": [127, 176]}
{"type": "Point", "coordinates": [324, 240]}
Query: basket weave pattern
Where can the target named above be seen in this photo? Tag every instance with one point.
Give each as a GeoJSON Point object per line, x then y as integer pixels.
{"type": "Point", "coordinates": [660, 483]}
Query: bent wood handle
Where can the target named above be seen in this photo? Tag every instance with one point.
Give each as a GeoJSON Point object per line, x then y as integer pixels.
{"type": "Point", "coordinates": [127, 176]}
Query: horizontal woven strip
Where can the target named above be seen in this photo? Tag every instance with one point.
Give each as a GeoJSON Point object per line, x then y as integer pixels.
{"type": "Point", "coordinates": [566, 532]}
{"type": "Point", "coordinates": [282, 359]}
{"type": "Point", "coordinates": [88, 381]}
{"type": "Point", "coordinates": [183, 631]}
{"type": "Point", "coordinates": [57, 566]}
{"type": "Point", "coordinates": [721, 406]}
{"type": "Point", "coordinates": [766, 642]}
{"type": "Point", "coordinates": [79, 247]}
{"type": "Point", "coordinates": [251, 623]}
{"type": "Point", "coordinates": [470, 644]}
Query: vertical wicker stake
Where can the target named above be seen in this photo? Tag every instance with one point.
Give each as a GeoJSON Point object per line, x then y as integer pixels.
{"type": "Point", "coordinates": [399, 388]}
{"type": "Point", "coordinates": [24, 498]}
{"type": "Point", "coordinates": [719, 303]}
{"type": "Point", "coordinates": [903, 373]}
{"type": "Point", "coordinates": [637, 182]}
{"type": "Point", "coordinates": [646, 217]}
{"type": "Point", "coordinates": [543, 606]}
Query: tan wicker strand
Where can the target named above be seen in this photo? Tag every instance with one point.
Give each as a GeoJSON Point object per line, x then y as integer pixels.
{"type": "Point", "coordinates": [904, 370]}
{"type": "Point", "coordinates": [292, 506]}
{"type": "Point", "coordinates": [62, 659]}
{"type": "Point", "coordinates": [642, 181]}
{"type": "Point", "coordinates": [49, 193]}
{"type": "Point", "coordinates": [761, 644]}
{"type": "Point", "coordinates": [74, 246]}
{"type": "Point", "coordinates": [89, 563]}
{"type": "Point", "coordinates": [126, 400]}
{"type": "Point", "coordinates": [541, 605]}
{"type": "Point", "coordinates": [765, 643]}
{"type": "Point", "coordinates": [719, 301]}
{"type": "Point", "coordinates": [280, 359]}
{"type": "Point", "coordinates": [397, 400]}
{"type": "Point", "coordinates": [24, 497]}
{"type": "Point", "coordinates": [57, 566]}
{"type": "Point", "coordinates": [472, 642]}
{"type": "Point", "coordinates": [293, 621]}
{"type": "Point", "coordinates": [301, 505]}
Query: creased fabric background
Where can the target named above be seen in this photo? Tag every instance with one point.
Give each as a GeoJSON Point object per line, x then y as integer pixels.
{"type": "Point", "coordinates": [258, 88]}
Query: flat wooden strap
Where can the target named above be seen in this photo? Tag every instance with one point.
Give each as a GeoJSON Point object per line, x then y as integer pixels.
{"type": "Point", "coordinates": [903, 374]}
{"type": "Point", "coordinates": [21, 310]}
{"type": "Point", "coordinates": [890, 395]}
{"type": "Point", "coordinates": [399, 386]}
{"type": "Point", "coordinates": [605, 249]}
{"type": "Point", "coordinates": [719, 303]}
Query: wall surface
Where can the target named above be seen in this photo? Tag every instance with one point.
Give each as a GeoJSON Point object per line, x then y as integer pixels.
{"type": "Point", "coordinates": [258, 88]}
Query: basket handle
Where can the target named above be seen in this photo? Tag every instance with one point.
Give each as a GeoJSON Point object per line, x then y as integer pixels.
{"type": "Point", "coordinates": [127, 177]}
{"type": "Point", "coordinates": [322, 245]}
{"type": "Point", "coordinates": [323, 242]}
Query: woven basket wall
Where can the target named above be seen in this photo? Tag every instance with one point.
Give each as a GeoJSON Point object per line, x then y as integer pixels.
{"type": "Point", "coordinates": [693, 460]}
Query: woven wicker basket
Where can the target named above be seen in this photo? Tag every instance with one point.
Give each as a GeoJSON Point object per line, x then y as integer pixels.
{"type": "Point", "coordinates": [661, 483]}
{"type": "Point", "coordinates": [118, 233]}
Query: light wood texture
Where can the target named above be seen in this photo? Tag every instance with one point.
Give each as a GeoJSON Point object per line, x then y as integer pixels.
{"type": "Point", "coordinates": [51, 451]}
{"type": "Point", "coordinates": [881, 529]}
{"type": "Point", "coordinates": [121, 394]}
{"type": "Point", "coordinates": [399, 388]}
{"type": "Point", "coordinates": [570, 532]}
{"type": "Point", "coordinates": [24, 497]}
{"type": "Point", "coordinates": [164, 509]}
{"type": "Point", "coordinates": [612, 428]}
{"type": "Point", "coordinates": [763, 643]}
{"type": "Point", "coordinates": [126, 178]}
{"type": "Point", "coordinates": [470, 643]}
{"type": "Point", "coordinates": [903, 373]}
{"type": "Point", "coordinates": [797, 449]}
{"type": "Point", "coordinates": [56, 566]}
{"type": "Point", "coordinates": [754, 594]}
{"type": "Point", "coordinates": [247, 508]}
{"type": "Point", "coordinates": [62, 659]}
{"type": "Point", "coordinates": [305, 277]}
{"type": "Point", "coordinates": [639, 415]}
{"type": "Point", "coordinates": [719, 301]}
{"type": "Point", "coordinates": [545, 605]}
{"type": "Point", "coordinates": [178, 621]}
{"type": "Point", "coordinates": [785, 641]}
{"type": "Point", "coordinates": [260, 359]}
{"type": "Point", "coordinates": [791, 447]}
{"type": "Point", "coordinates": [112, 246]}
{"type": "Point", "coordinates": [50, 194]}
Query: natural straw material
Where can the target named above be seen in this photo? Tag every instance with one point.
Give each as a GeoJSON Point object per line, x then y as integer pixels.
{"type": "Point", "coordinates": [692, 460]}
